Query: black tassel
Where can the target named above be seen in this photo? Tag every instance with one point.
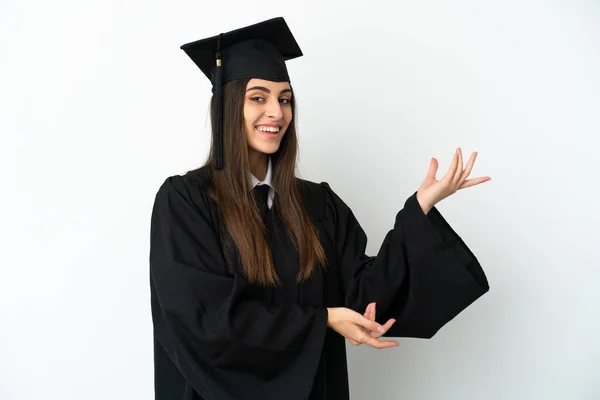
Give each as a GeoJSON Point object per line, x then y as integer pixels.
{"type": "Point", "coordinates": [218, 128]}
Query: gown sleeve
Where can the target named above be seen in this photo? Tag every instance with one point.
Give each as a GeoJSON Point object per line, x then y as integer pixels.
{"type": "Point", "coordinates": [423, 275]}
{"type": "Point", "coordinates": [225, 343]}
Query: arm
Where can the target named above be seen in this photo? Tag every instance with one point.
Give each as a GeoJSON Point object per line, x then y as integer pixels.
{"type": "Point", "coordinates": [423, 275]}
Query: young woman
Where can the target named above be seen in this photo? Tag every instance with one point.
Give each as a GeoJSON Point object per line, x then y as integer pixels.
{"type": "Point", "coordinates": [258, 277]}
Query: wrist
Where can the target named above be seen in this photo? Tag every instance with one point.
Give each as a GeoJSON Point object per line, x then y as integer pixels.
{"type": "Point", "coordinates": [425, 207]}
{"type": "Point", "coordinates": [329, 316]}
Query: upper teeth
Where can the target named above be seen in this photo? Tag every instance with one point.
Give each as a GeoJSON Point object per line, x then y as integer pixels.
{"type": "Point", "coordinates": [268, 128]}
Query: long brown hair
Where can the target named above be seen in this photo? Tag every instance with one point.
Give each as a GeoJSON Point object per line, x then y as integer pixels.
{"type": "Point", "coordinates": [232, 189]}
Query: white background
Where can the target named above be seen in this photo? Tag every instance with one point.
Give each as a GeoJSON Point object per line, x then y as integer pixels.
{"type": "Point", "coordinates": [98, 105]}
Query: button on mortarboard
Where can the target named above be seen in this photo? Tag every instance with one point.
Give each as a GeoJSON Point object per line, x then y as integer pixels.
{"type": "Point", "coordinates": [256, 51]}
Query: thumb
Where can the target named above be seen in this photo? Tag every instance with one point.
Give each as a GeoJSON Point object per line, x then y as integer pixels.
{"type": "Point", "coordinates": [433, 166]}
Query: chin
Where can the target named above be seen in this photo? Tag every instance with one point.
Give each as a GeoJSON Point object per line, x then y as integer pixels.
{"type": "Point", "coordinates": [266, 149]}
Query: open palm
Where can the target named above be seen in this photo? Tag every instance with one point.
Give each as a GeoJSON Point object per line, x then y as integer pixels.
{"type": "Point", "coordinates": [433, 191]}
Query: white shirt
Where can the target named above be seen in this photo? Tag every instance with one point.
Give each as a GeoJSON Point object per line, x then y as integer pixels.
{"type": "Point", "coordinates": [266, 181]}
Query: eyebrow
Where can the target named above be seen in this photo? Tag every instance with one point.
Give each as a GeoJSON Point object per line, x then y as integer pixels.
{"type": "Point", "coordinates": [264, 89]}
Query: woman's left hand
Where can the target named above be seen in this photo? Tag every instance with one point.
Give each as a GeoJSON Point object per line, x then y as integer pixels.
{"type": "Point", "coordinates": [371, 314]}
{"type": "Point", "coordinates": [433, 191]}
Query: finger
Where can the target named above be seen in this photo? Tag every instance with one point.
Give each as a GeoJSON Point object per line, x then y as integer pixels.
{"type": "Point", "coordinates": [369, 313]}
{"type": "Point", "coordinates": [433, 166]}
{"type": "Point", "coordinates": [373, 316]}
{"type": "Point", "coordinates": [380, 344]}
{"type": "Point", "coordinates": [364, 338]}
{"type": "Point", "coordinates": [459, 169]}
{"type": "Point", "coordinates": [354, 342]}
{"type": "Point", "coordinates": [469, 167]}
{"type": "Point", "coordinates": [389, 324]}
{"type": "Point", "coordinates": [474, 181]}
{"type": "Point", "coordinates": [365, 323]}
{"type": "Point", "coordinates": [386, 327]}
{"type": "Point", "coordinates": [452, 167]}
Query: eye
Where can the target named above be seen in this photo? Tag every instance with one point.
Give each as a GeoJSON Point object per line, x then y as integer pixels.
{"type": "Point", "coordinates": [256, 99]}
{"type": "Point", "coordinates": [285, 100]}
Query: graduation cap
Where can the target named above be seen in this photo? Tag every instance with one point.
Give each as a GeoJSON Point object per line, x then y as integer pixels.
{"type": "Point", "coordinates": [256, 51]}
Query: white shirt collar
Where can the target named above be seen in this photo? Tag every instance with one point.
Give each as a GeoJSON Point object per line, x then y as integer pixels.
{"type": "Point", "coordinates": [268, 178]}
{"type": "Point", "coordinates": [267, 181]}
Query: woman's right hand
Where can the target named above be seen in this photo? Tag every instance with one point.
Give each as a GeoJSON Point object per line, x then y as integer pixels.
{"type": "Point", "coordinates": [359, 329]}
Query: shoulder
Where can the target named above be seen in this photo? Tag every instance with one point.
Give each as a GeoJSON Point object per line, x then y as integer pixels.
{"type": "Point", "coordinates": [319, 189]}
{"type": "Point", "coordinates": [195, 180]}
{"type": "Point", "coordinates": [307, 185]}
{"type": "Point", "coordinates": [189, 188]}
{"type": "Point", "coordinates": [314, 190]}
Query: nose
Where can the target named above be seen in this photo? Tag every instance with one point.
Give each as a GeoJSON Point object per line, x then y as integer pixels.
{"type": "Point", "coordinates": [274, 110]}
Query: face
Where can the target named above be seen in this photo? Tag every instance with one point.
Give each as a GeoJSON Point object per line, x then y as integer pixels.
{"type": "Point", "coordinates": [267, 114]}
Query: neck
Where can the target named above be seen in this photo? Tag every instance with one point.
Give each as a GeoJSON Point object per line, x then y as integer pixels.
{"type": "Point", "coordinates": [258, 164]}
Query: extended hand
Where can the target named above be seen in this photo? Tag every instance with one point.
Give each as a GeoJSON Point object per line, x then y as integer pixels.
{"type": "Point", "coordinates": [433, 191]}
{"type": "Point", "coordinates": [357, 328]}
{"type": "Point", "coordinates": [370, 314]}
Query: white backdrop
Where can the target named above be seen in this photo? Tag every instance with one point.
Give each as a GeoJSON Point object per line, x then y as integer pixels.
{"type": "Point", "coordinates": [99, 105]}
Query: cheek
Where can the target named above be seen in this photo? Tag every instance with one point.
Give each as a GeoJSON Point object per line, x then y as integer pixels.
{"type": "Point", "coordinates": [252, 114]}
{"type": "Point", "coordinates": [287, 114]}
{"type": "Point", "coordinates": [249, 118]}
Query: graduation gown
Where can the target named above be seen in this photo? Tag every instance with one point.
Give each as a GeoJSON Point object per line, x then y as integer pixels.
{"type": "Point", "coordinates": [216, 337]}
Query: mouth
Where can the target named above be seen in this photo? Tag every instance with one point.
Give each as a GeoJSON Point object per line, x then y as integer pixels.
{"type": "Point", "coordinates": [269, 131]}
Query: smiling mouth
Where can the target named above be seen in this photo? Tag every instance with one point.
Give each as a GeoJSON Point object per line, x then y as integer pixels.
{"type": "Point", "coordinates": [268, 129]}
{"type": "Point", "coordinates": [270, 132]}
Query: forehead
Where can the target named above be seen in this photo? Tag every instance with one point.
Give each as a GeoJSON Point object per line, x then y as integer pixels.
{"type": "Point", "coordinates": [273, 86]}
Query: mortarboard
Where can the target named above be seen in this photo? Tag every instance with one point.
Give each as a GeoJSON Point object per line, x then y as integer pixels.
{"type": "Point", "coordinates": [256, 51]}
